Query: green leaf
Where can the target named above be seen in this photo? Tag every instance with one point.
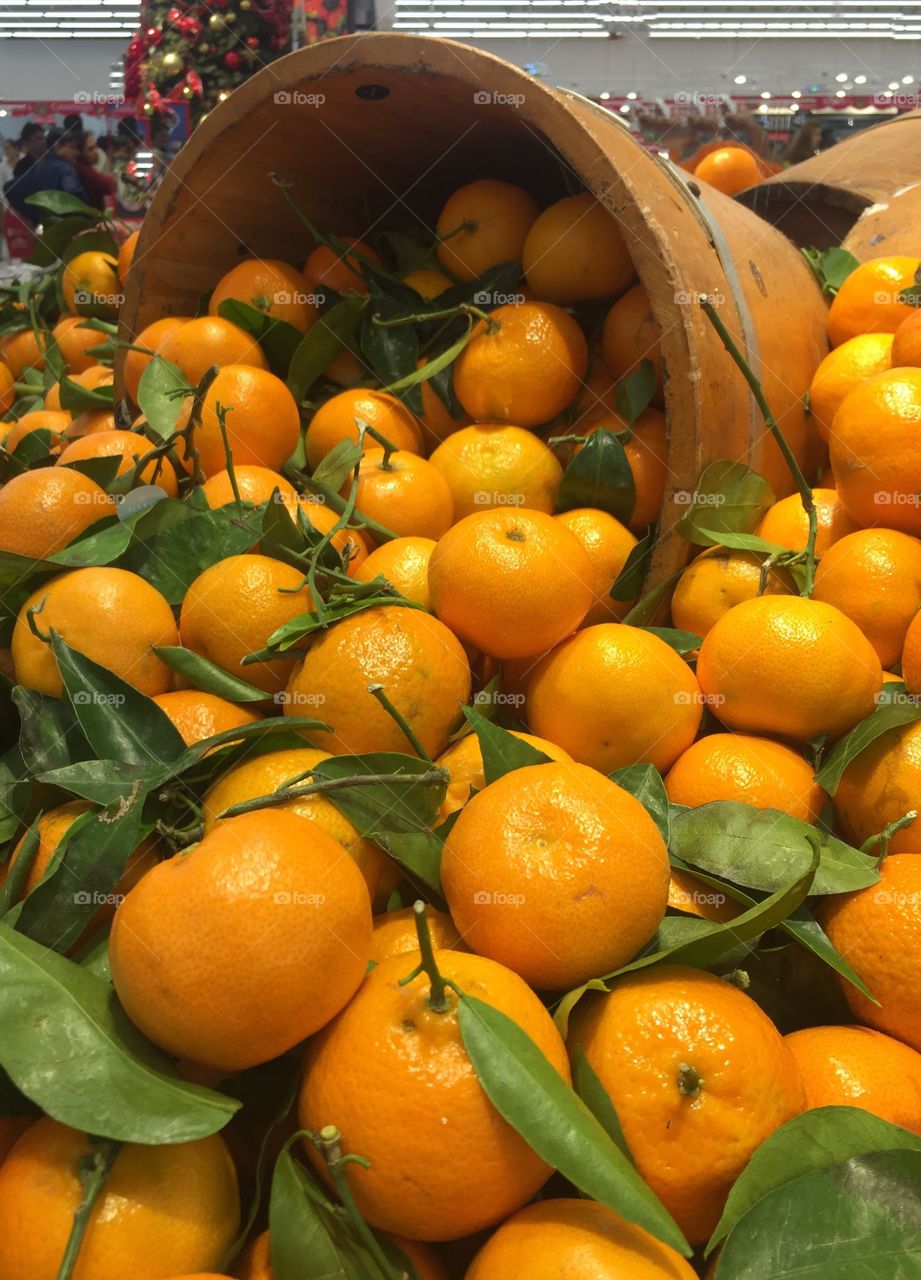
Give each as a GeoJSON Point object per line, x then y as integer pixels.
{"type": "Point", "coordinates": [105, 781]}
{"type": "Point", "coordinates": [683, 642]}
{"type": "Point", "coordinates": [118, 720]}
{"type": "Point", "coordinates": [595, 1096]}
{"type": "Point", "coordinates": [739, 542]}
{"type": "Point", "coordinates": [98, 241]}
{"type": "Point", "coordinates": [418, 853]}
{"type": "Point", "coordinates": [338, 465]}
{"type": "Point", "coordinates": [857, 1220]}
{"type": "Point", "coordinates": [885, 716]}
{"type": "Point", "coordinates": [647, 606]}
{"type": "Point", "coordinates": [68, 1045]}
{"type": "Point", "coordinates": [307, 624]}
{"type": "Point", "coordinates": [502, 751]}
{"type": "Point", "coordinates": [78, 399]}
{"type": "Point", "coordinates": [111, 541]}
{"type": "Point", "coordinates": [729, 497]}
{"type": "Point", "coordinates": [817, 1139]}
{"type": "Point", "coordinates": [393, 353]}
{"type": "Point", "coordinates": [762, 848]}
{"type": "Point", "coordinates": [599, 476]}
{"type": "Point", "coordinates": [322, 343]}
{"type": "Point", "coordinates": [629, 582]}
{"type": "Point", "coordinates": [101, 470]}
{"type": "Point", "coordinates": [384, 807]}
{"type": "Point", "coordinates": [205, 675]}
{"type": "Point", "coordinates": [831, 267]}
{"type": "Point", "coordinates": [645, 783]}
{"type": "Point", "coordinates": [61, 203]}
{"type": "Point", "coordinates": [278, 339]}
{"type": "Point", "coordinates": [532, 1096]}
{"type": "Point", "coordinates": [434, 366]}
{"type": "Point", "coordinates": [17, 873]}
{"type": "Point", "coordinates": [157, 404]}
{"type": "Point", "coordinates": [55, 238]}
{"type": "Point", "coordinates": [634, 393]}
{"type": "Point", "coordinates": [50, 736]}
{"type": "Point", "coordinates": [303, 1233]}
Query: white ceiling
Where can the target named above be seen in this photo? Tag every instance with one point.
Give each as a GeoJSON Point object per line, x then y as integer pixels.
{"type": "Point", "coordinates": [68, 19]}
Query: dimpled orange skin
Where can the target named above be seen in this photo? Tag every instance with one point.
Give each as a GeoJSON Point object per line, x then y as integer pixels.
{"type": "Point", "coordinates": [787, 524]}
{"type": "Point", "coordinates": [75, 341]}
{"type": "Point", "coordinates": [393, 1077]}
{"type": "Point", "coordinates": [496, 465]}
{"type": "Point", "coordinates": [232, 608]}
{"type": "Point", "coordinates": [843, 369]}
{"type": "Point", "coordinates": [163, 1208]}
{"type": "Point", "coordinates": [198, 715]}
{"type": "Point", "coordinates": [404, 493]}
{"type": "Point", "coordinates": [395, 933]}
{"type": "Point", "coordinates": [464, 762]}
{"type": "Point", "coordinates": [335, 420]}
{"type": "Point", "coordinates": [558, 1238]}
{"type": "Point", "coordinates": [130, 448]}
{"type": "Point", "coordinates": [860, 1067]}
{"type": "Point", "coordinates": [790, 667]}
{"type": "Point", "coordinates": [874, 577]}
{"type": "Point", "coordinates": [54, 421]}
{"type": "Point", "coordinates": [43, 511]}
{"type": "Point", "coordinates": [875, 451]}
{"type": "Point", "coordinates": [483, 224]}
{"type": "Point", "coordinates": [730, 170]}
{"type": "Point", "coordinates": [254, 484]}
{"type": "Point", "coordinates": [151, 337]}
{"type": "Point", "coordinates": [198, 344]}
{"type": "Point", "coordinates": [236, 950]}
{"type": "Point", "coordinates": [274, 288]}
{"type": "Point", "coordinates": [911, 654]}
{"type": "Point", "coordinates": [575, 252]}
{"type": "Point", "coordinates": [868, 300]}
{"type": "Point", "coordinates": [422, 667]}
{"type": "Point", "coordinates": [264, 774]}
{"type": "Point", "coordinates": [716, 580]}
{"type": "Point", "coordinates": [877, 930]}
{"type": "Point", "coordinates": [557, 873]}
{"type": "Point", "coordinates": [511, 583]}
{"type": "Point", "coordinates": [880, 786]}
{"type": "Point", "coordinates": [404, 562]}
{"type": "Point", "coordinates": [689, 1147]}
{"type": "Point", "coordinates": [614, 695]}
{"type": "Point", "coordinates": [263, 422]}
{"type": "Point", "coordinates": [755, 771]}
{"type": "Point", "coordinates": [109, 615]}
{"type": "Point", "coordinates": [523, 367]}
{"type": "Point", "coordinates": [632, 335]}
{"type": "Point", "coordinates": [608, 544]}
{"type": "Point", "coordinates": [906, 341]}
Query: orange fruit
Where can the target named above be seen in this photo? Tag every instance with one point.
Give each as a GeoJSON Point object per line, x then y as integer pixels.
{"type": "Point", "coordinates": [74, 342]}
{"type": "Point", "coordinates": [790, 667]}
{"type": "Point", "coordinates": [859, 1067]}
{"type": "Point", "coordinates": [198, 344]}
{"type": "Point", "coordinates": [646, 447]}
{"type": "Point", "coordinates": [87, 424]}
{"type": "Point", "coordinates": [404, 493]}
{"type": "Point", "coordinates": [694, 897]}
{"type": "Point", "coordinates": [7, 389]}
{"type": "Point", "coordinates": [151, 337]}
{"type": "Point", "coordinates": [631, 335]}
{"type": "Point", "coordinates": [90, 285]}
{"type": "Point", "coordinates": [576, 251]}
{"type": "Point", "coordinates": [546, 1239]}
{"type": "Point", "coordinates": [843, 369]}
{"type": "Point", "coordinates": [715, 581]}
{"type": "Point", "coordinates": [906, 342]}
{"type": "Point", "coordinates": [21, 351]}
{"type": "Point", "coordinates": [511, 583]}
{"type": "Point", "coordinates": [787, 524]}
{"type": "Point", "coordinates": [350, 543]}
{"type": "Point", "coordinates": [404, 562]}
{"type": "Point", "coordinates": [464, 762]}
{"type": "Point", "coordinates": [254, 484]}
{"type": "Point", "coordinates": [43, 511]}
{"type": "Point", "coordinates": [131, 448]}
{"type": "Point", "coordinates": [326, 268]}
{"type": "Point", "coordinates": [262, 420]}
{"type": "Point", "coordinates": [496, 465]}
{"type": "Point", "coordinates": [874, 451]}
{"type": "Point", "coordinates": [126, 255]}
{"type": "Point", "coordinates": [755, 771]}
{"type": "Point", "coordinates": [232, 608]}
{"type": "Point", "coordinates": [109, 615]}
{"type": "Point", "coordinates": [276, 289]}
{"type": "Point", "coordinates": [421, 666]}
{"type": "Point", "coordinates": [395, 934]}
{"type": "Point", "coordinates": [256, 1263]}
{"type": "Point", "coordinates": [437, 423]}
{"type": "Point", "coordinates": [97, 375]}
{"type": "Point", "coordinates": [335, 420]}
{"type": "Point", "coordinates": [880, 786]}
{"type": "Point", "coordinates": [427, 282]}
{"type": "Point", "coordinates": [557, 873]}
{"type": "Point", "coordinates": [614, 695]}
{"type": "Point", "coordinates": [608, 544]}
{"type": "Point", "coordinates": [523, 366]}
{"type": "Point", "coordinates": [483, 224]}
{"type": "Point", "coordinates": [237, 949]}
{"type": "Point", "coordinates": [874, 577]}
{"type": "Point", "coordinates": [699, 1077]}
{"type": "Point", "coordinates": [911, 653]}
{"type": "Point", "coordinates": [868, 300]}
{"type": "Point", "coordinates": [266, 773]}
{"type": "Point", "coordinates": [162, 1210]}
{"type": "Point", "coordinates": [388, 1071]}
{"type": "Point", "coordinates": [877, 931]}
{"type": "Point", "coordinates": [198, 715]}
{"type": "Point", "coordinates": [730, 170]}
{"type": "Point", "coordinates": [11, 1130]}
{"type": "Point", "coordinates": [54, 421]}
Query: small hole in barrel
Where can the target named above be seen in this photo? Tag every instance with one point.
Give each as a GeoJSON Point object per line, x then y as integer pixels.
{"type": "Point", "coordinates": [372, 92]}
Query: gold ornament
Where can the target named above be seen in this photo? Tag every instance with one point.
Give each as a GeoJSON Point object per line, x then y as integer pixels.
{"type": "Point", "coordinates": [245, 5]}
{"type": "Point", "coordinates": [148, 108]}
{"type": "Point", "coordinates": [231, 17]}
{"type": "Point", "coordinates": [202, 48]}
{"type": "Point", "coordinates": [170, 59]}
{"type": "Point", "coordinates": [215, 20]}
{"type": "Point", "coordinates": [186, 91]}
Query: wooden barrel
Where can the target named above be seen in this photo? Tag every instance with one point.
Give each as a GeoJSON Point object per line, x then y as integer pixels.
{"type": "Point", "coordinates": [381, 128]}
{"type": "Point", "coordinates": [893, 226]}
{"type": "Point", "coordinates": [817, 202]}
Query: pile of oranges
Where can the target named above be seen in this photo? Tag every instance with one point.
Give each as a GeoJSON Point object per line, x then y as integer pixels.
{"type": "Point", "coordinates": [386, 879]}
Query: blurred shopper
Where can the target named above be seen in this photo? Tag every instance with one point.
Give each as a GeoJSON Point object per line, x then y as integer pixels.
{"type": "Point", "coordinates": [32, 144]}
{"type": "Point", "coordinates": [99, 186]}
{"type": "Point", "coordinates": [56, 170]}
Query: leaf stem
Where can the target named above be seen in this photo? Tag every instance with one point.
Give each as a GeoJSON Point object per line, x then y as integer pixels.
{"type": "Point", "coordinates": [438, 1001]}
{"type": "Point", "coordinates": [377, 691]}
{"type": "Point", "coordinates": [431, 778]}
{"type": "Point", "coordinates": [221, 411]}
{"type": "Point", "coordinates": [884, 836]}
{"type": "Point", "coordinates": [789, 457]}
{"type": "Point", "coordinates": [93, 1171]}
{"type": "Point", "coordinates": [329, 1143]}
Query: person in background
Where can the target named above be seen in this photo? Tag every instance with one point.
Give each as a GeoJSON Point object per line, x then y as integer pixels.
{"type": "Point", "coordinates": [56, 170]}
{"type": "Point", "coordinates": [8, 162]}
{"type": "Point", "coordinates": [98, 185]}
{"type": "Point", "coordinates": [32, 144]}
